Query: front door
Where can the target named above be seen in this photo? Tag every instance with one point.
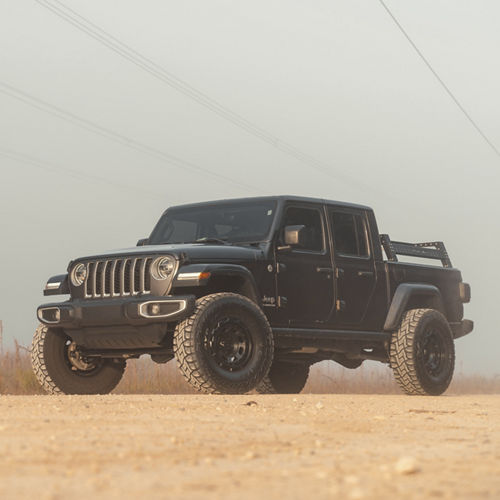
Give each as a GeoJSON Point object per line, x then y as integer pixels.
{"type": "Point", "coordinates": [354, 266]}
{"type": "Point", "coordinates": [305, 274]}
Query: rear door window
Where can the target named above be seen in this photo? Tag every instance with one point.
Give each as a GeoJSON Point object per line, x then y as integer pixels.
{"type": "Point", "coordinates": [349, 234]}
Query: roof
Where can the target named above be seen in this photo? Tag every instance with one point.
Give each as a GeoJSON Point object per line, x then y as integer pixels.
{"type": "Point", "coordinates": [303, 199]}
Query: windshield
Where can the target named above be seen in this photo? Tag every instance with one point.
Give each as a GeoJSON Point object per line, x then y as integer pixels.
{"type": "Point", "coordinates": [237, 222]}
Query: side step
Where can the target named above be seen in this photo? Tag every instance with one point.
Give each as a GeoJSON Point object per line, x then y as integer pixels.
{"type": "Point", "coordinates": [310, 337]}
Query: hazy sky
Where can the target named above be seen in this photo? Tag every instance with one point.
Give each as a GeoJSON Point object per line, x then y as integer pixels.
{"type": "Point", "coordinates": [336, 79]}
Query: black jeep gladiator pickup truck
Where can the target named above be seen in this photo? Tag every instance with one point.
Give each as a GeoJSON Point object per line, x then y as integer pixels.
{"type": "Point", "coordinates": [248, 294]}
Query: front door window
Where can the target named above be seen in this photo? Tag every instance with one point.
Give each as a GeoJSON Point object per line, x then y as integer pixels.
{"type": "Point", "coordinates": [312, 220]}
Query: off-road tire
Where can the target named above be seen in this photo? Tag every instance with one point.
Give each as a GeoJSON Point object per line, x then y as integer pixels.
{"type": "Point", "coordinates": [53, 370]}
{"type": "Point", "coordinates": [198, 365]}
{"type": "Point", "coordinates": [408, 351]}
{"type": "Point", "coordinates": [284, 378]}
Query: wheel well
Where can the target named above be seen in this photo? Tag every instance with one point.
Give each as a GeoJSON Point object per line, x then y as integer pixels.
{"type": "Point", "coordinates": [234, 284]}
{"type": "Point", "coordinates": [425, 302]}
{"type": "Point", "coordinates": [413, 296]}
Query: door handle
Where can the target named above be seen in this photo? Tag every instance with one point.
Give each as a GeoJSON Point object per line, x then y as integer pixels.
{"type": "Point", "coordinates": [326, 270]}
{"type": "Point", "coordinates": [365, 273]}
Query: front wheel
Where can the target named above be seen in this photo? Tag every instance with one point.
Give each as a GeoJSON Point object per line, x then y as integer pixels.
{"type": "Point", "coordinates": [226, 346]}
{"type": "Point", "coordinates": [422, 353]}
{"type": "Point", "coordinates": [61, 369]}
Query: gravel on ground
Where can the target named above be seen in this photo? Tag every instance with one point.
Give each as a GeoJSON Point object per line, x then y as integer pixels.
{"type": "Point", "coordinates": [247, 447]}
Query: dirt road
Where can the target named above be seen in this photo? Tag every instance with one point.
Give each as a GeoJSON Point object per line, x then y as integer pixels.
{"type": "Point", "coordinates": [242, 447]}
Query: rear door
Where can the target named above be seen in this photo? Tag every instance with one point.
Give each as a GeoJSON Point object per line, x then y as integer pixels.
{"type": "Point", "coordinates": [355, 276]}
{"type": "Point", "coordinates": [305, 278]}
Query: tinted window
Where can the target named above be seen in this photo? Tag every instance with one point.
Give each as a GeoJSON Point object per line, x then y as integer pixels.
{"type": "Point", "coordinates": [311, 219]}
{"type": "Point", "coordinates": [349, 234]}
{"type": "Point", "coordinates": [231, 222]}
{"type": "Point", "coordinates": [184, 230]}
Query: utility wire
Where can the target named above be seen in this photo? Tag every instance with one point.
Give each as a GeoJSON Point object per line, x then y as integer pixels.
{"type": "Point", "coordinates": [86, 26]}
{"type": "Point", "coordinates": [114, 136]}
{"type": "Point", "coordinates": [440, 80]}
{"type": "Point", "coordinates": [82, 176]}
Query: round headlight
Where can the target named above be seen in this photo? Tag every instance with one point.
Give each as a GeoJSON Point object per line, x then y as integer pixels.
{"type": "Point", "coordinates": [163, 267]}
{"type": "Point", "coordinates": [78, 274]}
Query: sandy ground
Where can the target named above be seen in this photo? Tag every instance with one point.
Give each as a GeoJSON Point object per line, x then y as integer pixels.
{"type": "Point", "coordinates": [242, 447]}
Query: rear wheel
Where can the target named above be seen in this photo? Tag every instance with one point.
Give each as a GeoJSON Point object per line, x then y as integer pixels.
{"type": "Point", "coordinates": [61, 369]}
{"type": "Point", "coordinates": [284, 378]}
{"type": "Point", "coordinates": [423, 353]}
{"type": "Point", "coordinates": [226, 346]}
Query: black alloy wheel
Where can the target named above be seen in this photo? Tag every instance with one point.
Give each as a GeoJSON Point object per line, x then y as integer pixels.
{"type": "Point", "coordinates": [422, 353]}
{"type": "Point", "coordinates": [226, 346]}
{"type": "Point", "coordinates": [285, 378]}
{"type": "Point", "coordinates": [431, 353]}
{"type": "Point", "coordinates": [229, 344]}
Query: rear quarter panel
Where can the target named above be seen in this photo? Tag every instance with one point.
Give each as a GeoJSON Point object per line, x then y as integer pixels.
{"type": "Point", "coordinates": [445, 279]}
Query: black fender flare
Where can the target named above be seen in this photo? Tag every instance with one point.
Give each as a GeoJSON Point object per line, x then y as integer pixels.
{"type": "Point", "coordinates": [187, 277]}
{"type": "Point", "coordinates": [404, 292]}
{"type": "Point", "coordinates": [57, 285]}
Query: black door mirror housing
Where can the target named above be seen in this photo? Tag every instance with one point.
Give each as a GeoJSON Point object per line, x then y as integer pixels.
{"type": "Point", "coordinates": [295, 236]}
{"type": "Point", "coordinates": [142, 242]}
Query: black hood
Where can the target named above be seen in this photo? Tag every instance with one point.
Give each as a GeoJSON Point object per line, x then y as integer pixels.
{"type": "Point", "coordinates": [195, 252]}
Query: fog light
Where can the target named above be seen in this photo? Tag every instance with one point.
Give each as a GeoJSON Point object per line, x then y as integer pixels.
{"type": "Point", "coordinates": [155, 308]}
{"type": "Point", "coordinates": [50, 315]}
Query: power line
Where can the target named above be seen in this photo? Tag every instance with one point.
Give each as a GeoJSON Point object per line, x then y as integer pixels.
{"type": "Point", "coordinates": [105, 38]}
{"type": "Point", "coordinates": [440, 80]}
{"type": "Point", "coordinates": [112, 135]}
{"type": "Point", "coordinates": [95, 179]}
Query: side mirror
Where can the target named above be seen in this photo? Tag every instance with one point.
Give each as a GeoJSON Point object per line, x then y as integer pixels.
{"type": "Point", "coordinates": [295, 236]}
{"type": "Point", "coordinates": [142, 242]}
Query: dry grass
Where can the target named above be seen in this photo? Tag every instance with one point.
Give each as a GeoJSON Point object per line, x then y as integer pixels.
{"type": "Point", "coordinates": [145, 377]}
{"type": "Point", "coordinates": [16, 375]}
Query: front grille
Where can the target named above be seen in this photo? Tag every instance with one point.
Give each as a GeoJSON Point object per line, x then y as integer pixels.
{"type": "Point", "coordinates": [118, 277]}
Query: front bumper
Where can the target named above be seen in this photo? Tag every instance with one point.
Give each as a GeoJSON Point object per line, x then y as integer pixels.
{"type": "Point", "coordinates": [134, 311]}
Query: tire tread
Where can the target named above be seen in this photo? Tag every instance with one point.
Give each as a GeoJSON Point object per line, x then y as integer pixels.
{"type": "Point", "coordinates": [105, 382]}
{"type": "Point", "coordinates": [38, 361]}
{"type": "Point", "coordinates": [402, 352]}
{"type": "Point", "coordinates": [187, 360]}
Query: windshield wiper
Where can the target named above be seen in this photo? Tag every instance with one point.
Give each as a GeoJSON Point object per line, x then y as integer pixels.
{"type": "Point", "coordinates": [207, 239]}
